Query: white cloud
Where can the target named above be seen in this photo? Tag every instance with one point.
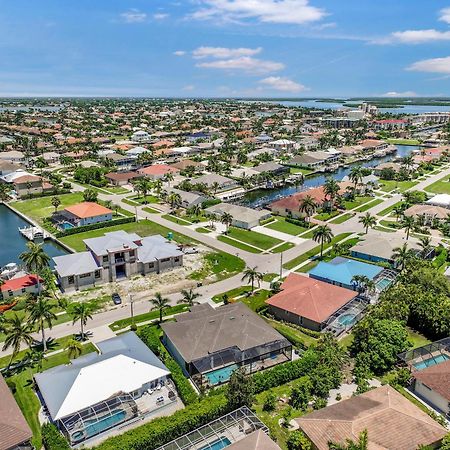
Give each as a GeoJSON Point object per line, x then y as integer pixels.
{"type": "Point", "coordinates": [445, 15]}
{"type": "Point", "coordinates": [188, 88]}
{"type": "Point", "coordinates": [160, 16]}
{"type": "Point", "coordinates": [399, 94]}
{"type": "Point", "coordinates": [179, 53]}
{"type": "Point", "coordinates": [268, 11]}
{"type": "Point", "coordinates": [245, 63]}
{"type": "Point", "coordinates": [223, 52]}
{"type": "Point", "coordinates": [417, 36]}
{"type": "Point", "coordinates": [283, 84]}
{"type": "Point", "coordinates": [433, 65]}
{"type": "Point", "coordinates": [133, 16]}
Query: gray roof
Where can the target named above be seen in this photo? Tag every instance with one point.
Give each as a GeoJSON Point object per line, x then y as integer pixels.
{"type": "Point", "coordinates": [75, 264]}
{"type": "Point", "coordinates": [156, 247]}
{"type": "Point", "coordinates": [240, 213]}
{"type": "Point", "coordinates": [211, 178]}
{"type": "Point", "coordinates": [206, 330]}
{"type": "Point", "coordinates": [189, 197]}
{"type": "Point", "coordinates": [112, 241]}
{"type": "Point", "coordinates": [269, 167]}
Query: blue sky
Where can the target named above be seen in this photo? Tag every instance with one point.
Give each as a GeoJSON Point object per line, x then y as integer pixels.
{"type": "Point", "coordinates": [225, 48]}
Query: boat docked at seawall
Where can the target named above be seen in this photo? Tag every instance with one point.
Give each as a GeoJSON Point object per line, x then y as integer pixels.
{"type": "Point", "coordinates": [9, 270]}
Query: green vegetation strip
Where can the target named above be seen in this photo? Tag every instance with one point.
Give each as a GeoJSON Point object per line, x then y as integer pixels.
{"type": "Point", "coordinates": [176, 219]}
{"type": "Point", "coordinates": [259, 240]}
{"type": "Point", "coordinates": [238, 244]}
{"type": "Point", "coordinates": [441, 186]}
{"type": "Point", "coordinates": [342, 218]}
{"type": "Point", "coordinates": [282, 225]}
{"type": "Point", "coordinates": [369, 205]}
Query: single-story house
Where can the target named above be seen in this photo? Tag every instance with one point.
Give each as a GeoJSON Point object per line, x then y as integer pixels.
{"type": "Point", "coordinates": [157, 171]}
{"type": "Point", "coordinates": [189, 199]}
{"type": "Point", "coordinates": [387, 166]}
{"type": "Point", "coordinates": [13, 156]}
{"type": "Point", "coordinates": [97, 392]}
{"type": "Point", "coordinates": [210, 343]}
{"type": "Point", "coordinates": [272, 168]}
{"type": "Point", "coordinates": [15, 433]}
{"type": "Point", "coordinates": [211, 179]}
{"type": "Point", "coordinates": [340, 271]}
{"type": "Point", "coordinates": [308, 302]}
{"type": "Point", "coordinates": [82, 214]}
{"type": "Point", "coordinates": [391, 420]}
{"type": "Point", "coordinates": [116, 255]}
{"type": "Point", "coordinates": [7, 167]}
{"type": "Point", "coordinates": [185, 163]}
{"type": "Point", "coordinates": [440, 200]}
{"type": "Point", "coordinates": [366, 184]}
{"type": "Point", "coordinates": [243, 217]}
{"type": "Point", "coordinates": [428, 212]}
{"type": "Point", "coordinates": [432, 384]}
{"type": "Point", "coordinates": [121, 178]}
{"type": "Point", "coordinates": [136, 151]}
{"type": "Point", "coordinates": [27, 284]}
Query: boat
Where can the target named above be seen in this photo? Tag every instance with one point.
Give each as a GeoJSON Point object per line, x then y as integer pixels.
{"type": "Point", "coordinates": [9, 271]}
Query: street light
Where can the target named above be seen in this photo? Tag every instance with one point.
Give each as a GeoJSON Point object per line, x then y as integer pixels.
{"type": "Point", "coordinates": [281, 265]}
{"type": "Point", "coordinates": [132, 310]}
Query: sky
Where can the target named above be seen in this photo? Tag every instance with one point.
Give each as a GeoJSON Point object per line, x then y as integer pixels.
{"type": "Point", "coordinates": [225, 48]}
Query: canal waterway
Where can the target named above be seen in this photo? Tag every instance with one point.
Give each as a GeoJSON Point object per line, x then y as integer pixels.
{"type": "Point", "coordinates": [12, 243]}
{"type": "Point", "coordinates": [262, 197]}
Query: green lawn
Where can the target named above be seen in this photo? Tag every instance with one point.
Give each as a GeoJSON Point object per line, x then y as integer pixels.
{"type": "Point", "coordinates": [283, 247]}
{"type": "Point", "coordinates": [142, 228]}
{"type": "Point", "coordinates": [342, 218]}
{"type": "Point", "coordinates": [358, 201]}
{"type": "Point", "coordinates": [39, 208]}
{"type": "Point", "coordinates": [203, 230]}
{"type": "Point", "coordinates": [257, 300]}
{"type": "Point", "coordinates": [402, 141]}
{"type": "Point", "coordinates": [401, 186]}
{"type": "Point", "coordinates": [219, 264]}
{"type": "Point", "coordinates": [280, 224]}
{"type": "Point", "coordinates": [369, 205]}
{"type": "Point", "coordinates": [259, 240]}
{"type": "Point", "coordinates": [441, 186]}
{"type": "Point", "coordinates": [176, 219]}
{"type": "Point", "coordinates": [296, 336]}
{"type": "Point", "coordinates": [25, 395]}
{"type": "Point", "coordinates": [314, 251]}
{"type": "Point", "coordinates": [270, 276]}
{"type": "Point", "coordinates": [307, 267]}
{"type": "Point", "coordinates": [150, 210]}
{"type": "Point", "coordinates": [232, 293]}
{"type": "Point", "coordinates": [389, 209]}
{"type": "Point", "coordinates": [390, 224]}
{"type": "Point", "coordinates": [326, 215]}
{"type": "Point", "coordinates": [238, 244]}
{"type": "Point", "coordinates": [103, 190]}
{"type": "Point", "coordinates": [294, 170]}
{"type": "Point", "coordinates": [144, 200]}
{"type": "Point", "coordinates": [417, 339]}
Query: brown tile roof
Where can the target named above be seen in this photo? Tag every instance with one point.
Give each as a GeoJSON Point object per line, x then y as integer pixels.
{"type": "Point", "coordinates": [436, 377]}
{"type": "Point", "coordinates": [87, 209]}
{"type": "Point", "coordinates": [26, 179]}
{"type": "Point", "coordinates": [310, 298]}
{"type": "Point", "coordinates": [119, 176]}
{"type": "Point", "coordinates": [431, 210]}
{"type": "Point", "coordinates": [14, 429]}
{"type": "Point", "coordinates": [258, 440]}
{"type": "Point", "coordinates": [391, 420]}
{"type": "Point", "coordinates": [158, 169]}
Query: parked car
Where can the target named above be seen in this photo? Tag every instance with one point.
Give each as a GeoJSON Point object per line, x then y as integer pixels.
{"type": "Point", "coordinates": [116, 298]}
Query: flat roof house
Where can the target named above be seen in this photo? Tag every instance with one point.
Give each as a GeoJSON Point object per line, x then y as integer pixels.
{"type": "Point", "coordinates": [391, 420]}
{"type": "Point", "coordinates": [308, 302]}
{"type": "Point", "coordinates": [340, 271]}
{"type": "Point", "coordinates": [82, 214]}
{"type": "Point", "coordinates": [97, 392]}
{"type": "Point", "coordinates": [210, 343]}
{"type": "Point", "coordinates": [15, 433]}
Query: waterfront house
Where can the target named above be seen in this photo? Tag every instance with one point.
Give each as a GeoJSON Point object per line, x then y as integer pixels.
{"type": "Point", "coordinates": [214, 179]}
{"type": "Point", "coordinates": [82, 214]}
{"type": "Point", "coordinates": [189, 199]}
{"type": "Point", "coordinates": [243, 217]}
{"type": "Point", "coordinates": [225, 338]}
{"type": "Point", "coordinates": [391, 421]}
{"type": "Point", "coordinates": [186, 163]}
{"type": "Point", "coordinates": [24, 183]}
{"type": "Point", "coordinates": [283, 144]}
{"type": "Point", "coordinates": [308, 302]}
{"type": "Point", "coordinates": [13, 156]}
{"type": "Point", "coordinates": [15, 433]}
{"type": "Point", "coordinates": [365, 185]}
{"type": "Point", "coordinates": [114, 256]}
{"type": "Point", "coordinates": [157, 171]}
{"type": "Point", "coordinates": [272, 168]}
{"type": "Point", "coordinates": [21, 285]}
{"type": "Point", "coordinates": [7, 167]}
{"type": "Point", "coordinates": [98, 392]}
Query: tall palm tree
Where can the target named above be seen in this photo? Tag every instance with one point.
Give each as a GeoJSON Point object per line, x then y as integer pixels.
{"type": "Point", "coordinates": [227, 220]}
{"type": "Point", "coordinates": [308, 206]}
{"type": "Point", "coordinates": [174, 200]}
{"type": "Point", "coordinates": [401, 256]}
{"type": "Point", "coordinates": [74, 348]}
{"type": "Point", "coordinates": [41, 314]}
{"type": "Point", "coordinates": [324, 235]}
{"type": "Point", "coordinates": [17, 333]}
{"type": "Point", "coordinates": [168, 177]}
{"type": "Point", "coordinates": [368, 221]}
{"type": "Point", "coordinates": [159, 303]}
{"type": "Point", "coordinates": [189, 297]}
{"type": "Point", "coordinates": [56, 202]}
{"type": "Point", "coordinates": [196, 210]}
{"type": "Point", "coordinates": [355, 175]}
{"type": "Point", "coordinates": [252, 275]}
{"type": "Point", "coordinates": [81, 311]}
{"type": "Point", "coordinates": [408, 223]}
{"type": "Point", "coordinates": [398, 211]}
{"type": "Point", "coordinates": [35, 257]}
{"type": "Point", "coordinates": [331, 190]}
{"type": "Point", "coordinates": [425, 245]}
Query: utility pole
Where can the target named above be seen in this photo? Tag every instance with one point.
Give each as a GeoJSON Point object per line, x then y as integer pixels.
{"type": "Point", "coordinates": [132, 310]}
{"type": "Point", "coordinates": [281, 265]}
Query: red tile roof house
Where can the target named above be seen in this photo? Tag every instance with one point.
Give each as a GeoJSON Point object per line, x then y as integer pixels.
{"type": "Point", "coordinates": [290, 206]}
{"type": "Point", "coordinates": [85, 213]}
{"type": "Point", "coordinates": [158, 171]}
{"type": "Point", "coordinates": [308, 302]}
{"type": "Point", "coordinates": [28, 284]}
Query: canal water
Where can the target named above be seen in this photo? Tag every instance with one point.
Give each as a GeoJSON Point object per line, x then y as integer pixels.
{"type": "Point", "coordinates": [12, 243]}
{"type": "Point", "coordinates": [262, 197]}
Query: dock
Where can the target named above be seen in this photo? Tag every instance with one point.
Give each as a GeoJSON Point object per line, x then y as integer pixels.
{"type": "Point", "coordinates": [33, 233]}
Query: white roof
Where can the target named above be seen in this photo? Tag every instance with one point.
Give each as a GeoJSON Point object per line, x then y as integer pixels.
{"type": "Point", "coordinates": [440, 200]}
{"type": "Point", "coordinates": [125, 365]}
{"type": "Point", "coordinates": [75, 264]}
{"type": "Point", "coordinates": [14, 175]}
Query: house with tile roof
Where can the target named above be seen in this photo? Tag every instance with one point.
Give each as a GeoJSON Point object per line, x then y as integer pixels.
{"type": "Point", "coordinates": [21, 285]}
{"type": "Point", "coordinates": [85, 213]}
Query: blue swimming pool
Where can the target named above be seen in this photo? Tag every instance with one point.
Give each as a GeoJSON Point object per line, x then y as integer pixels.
{"type": "Point", "coordinates": [383, 283]}
{"type": "Point", "coordinates": [65, 226]}
{"type": "Point", "coordinates": [217, 445]}
{"type": "Point", "coordinates": [221, 375]}
{"type": "Point", "coordinates": [431, 361]}
{"type": "Point", "coordinates": [94, 427]}
{"type": "Point", "coordinates": [347, 319]}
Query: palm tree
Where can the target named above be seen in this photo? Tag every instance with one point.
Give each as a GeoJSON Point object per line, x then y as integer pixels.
{"type": "Point", "coordinates": [398, 211]}
{"type": "Point", "coordinates": [252, 275]}
{"type": "Point", "coordinates": [425, 245]}
{"type": "Point", "coordinates": [168, 177]}
{"type": "Point", "coordinates": [308, 206]}
{"type": "Point", "coordinates": [368, 221]}
{"type": "Point", "coordinates": [401, 256]}
{"type": "Point", "coordinates": [74, 348]}
{"type": "Point", "coordinates": [362, 283]}
{"type": "Point", "coordinates": [35, 258]}
{"type": "Point", "coordinates": [361, 444]}
{"type": "Point", "coordinates": [215, 187]}
{"type": "Point", "coordinates": [227, 220]}
{"type": "Point", "coordinates": [81, 311]}
{"type": "Point", "coordinates": [160, 303]}
{"type": "Point", "coordinates": [4, 192]}
{"type": "Point", "coordinates": [322, 234]}
{"type": "Point", "coordinates": [56, 202]}
{"type": "Point", "coordinates": [331, 190]}
{"type": "Point", "coordinates": [196, 210]}
{"type": "Point", "coordinates": [355, 175]}
{"type": "Point", "coordinates": [89, 195]}
{"type": "Point", "coordinates": [17, 333]}
{"type": "Point", "coordinates": [41, 314]}
{"type": "Point", "coordinates": [189, 297]}
{"type": "Point", "coordinates": [174, 200]}
{"type": "Point", "coordinates": [408, 224]}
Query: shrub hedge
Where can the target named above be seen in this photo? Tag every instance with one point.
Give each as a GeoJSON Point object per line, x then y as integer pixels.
{"type": "Point", "coordinates": [45, 194]}
{"type": "Point", "coordinates": [300, 223]}
{"type": "Point", "coordinates": [52, 438]}
{"type": "Point", "coordinates": [95, 226]}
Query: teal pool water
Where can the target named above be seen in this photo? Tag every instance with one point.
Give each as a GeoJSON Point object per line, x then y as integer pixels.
{"type": "Point", "coordinates": [65, 226]}
{"type": "Point", "coordinates": [383, 283]}
{"type": "Point", "coordinates": [221, 375]}
{"type": "Point", "coordinates": [431, 362]}
{"type": "Point", "coordinates": [347, 319]}
{"type": "Point", "coordinates": [217, 445]}
{"type": "Point", "coordinates": [94, 427]}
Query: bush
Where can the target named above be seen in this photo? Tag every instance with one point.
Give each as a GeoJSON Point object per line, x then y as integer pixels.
{"type": "Point", "coordinates": [269, 402]}
{"type": "Point", "coordinates": [46, 194]}
{"type": "Point", "coordinates": [299, 222]}
{"type": "Point", "coordinates": [265, 221]}
{"type": "Point", "coordinates": [52, 438]}
{"type": "Point", "coordinates": [95, 226]}
{"type": "Point", "coordinates": [298, 441]}
{"type": "Point", "coordinates": [211, 202]}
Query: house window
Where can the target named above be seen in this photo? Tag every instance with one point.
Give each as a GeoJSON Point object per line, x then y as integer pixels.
{"type": "Point", "coordinates": [132, 254]}
{"type": "Point", "coordinates": [151, 265]}
{"type": "Point", "coordinates": [85, 275]}
{"type": "Point", "coordinates": [10, 293]}
{"type": "Point", "coordinates": [105, 259]}
{"type": "Point", "coordinates": [23, 290]}
{"type": "Point", "coordinates": [97, 274]}
{"type": "Point", "coordinates": [71, 279]}
{"type": "Point", "coordinates": [165, 260]}
{"type": "Point", "coordinates": [177, 259]}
